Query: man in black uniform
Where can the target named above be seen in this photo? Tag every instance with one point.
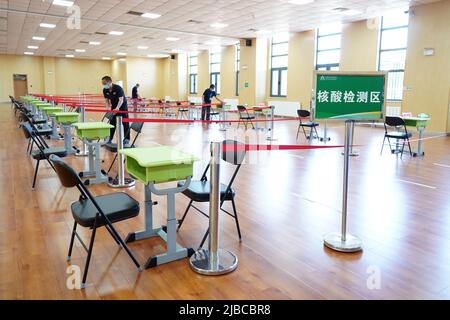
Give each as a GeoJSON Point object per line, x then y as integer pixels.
{"type": "Point", "coordinates": [207, 98]}
{"type": "Point", "coordinates": [135, 94]}
{"type": "Point", "coordinates": [115, 99]}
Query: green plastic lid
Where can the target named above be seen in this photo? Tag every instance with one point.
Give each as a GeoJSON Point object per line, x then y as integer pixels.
{"type": "Point", "coordinates": [92, 125]}
{"type": "Point", "coordinates": [159, 156]}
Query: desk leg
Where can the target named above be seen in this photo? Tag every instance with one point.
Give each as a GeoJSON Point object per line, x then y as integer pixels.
{"type": "Point", "coordinates": [167, 233]}
{"type": "Point", "coordinates": [54, 134]}
{"type": "Point", "coordinates": [420, 152]}
{"type": "Point", "coordinates": [68, 140]}
{"type": "Point", "coordinates": [95, 169]}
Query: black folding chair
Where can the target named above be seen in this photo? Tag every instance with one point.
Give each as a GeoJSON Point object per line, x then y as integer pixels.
{"type": "Point", "coordinates": [183, 113]}
{"type": "Point", "coordinates": [302, 114]}
{"type": "Point", "coordinates": [198, 191]}
{"type": "Point", "coordinates": [400, 133]}
{"type": "Point", "coordinates": [95, 212]}
{"type": "Point", "coordinates": [137, 128]}
{"type": "Point", "coordinates": [44, 151]}
{"type": "Point", "coordinates": [245, 117]}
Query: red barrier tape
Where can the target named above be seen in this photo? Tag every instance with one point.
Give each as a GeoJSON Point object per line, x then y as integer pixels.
{"type": "Point", "coordinates": [263, 147]}
{"type": "Point", "coordinates": [204, 121]}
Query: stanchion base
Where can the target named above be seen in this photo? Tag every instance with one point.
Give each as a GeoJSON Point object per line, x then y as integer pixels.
{"type": "Point", "coordinates": [334, 242]}
{"type": "Point", "coordinates": [114, 183]}
{"type": "Point", "coordinates": [353, 154]}
{"type": "Point", "coordinates": [200, 263]}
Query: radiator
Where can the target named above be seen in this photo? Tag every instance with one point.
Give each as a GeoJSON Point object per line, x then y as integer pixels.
{"type": "Point", "coordinates": [285, 108]}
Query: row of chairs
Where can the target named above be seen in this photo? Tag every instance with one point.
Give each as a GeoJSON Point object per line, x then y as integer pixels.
{"type": "Point", "coordinates": [94, 212]}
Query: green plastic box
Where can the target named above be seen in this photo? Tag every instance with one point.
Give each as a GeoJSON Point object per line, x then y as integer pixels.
{"type": "Point", "coordinates": [92, 130]}
{"type": "Point", "coordinates": [66, 117]}
{"type": "Point", "coordinates": [51, 110]}
{"type": "Point", "coordinates": [159, 164]}
{"type": "Point", "coordinates": [41, 105]}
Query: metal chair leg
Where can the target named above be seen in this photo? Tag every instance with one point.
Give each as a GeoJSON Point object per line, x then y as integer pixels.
{"type": "Point", "coordinates": [72, 239]}
{"type": "Point", "coordinates": [180, 222]}
{"type": "Point", "coordinates": [298, 131]}
{"type": "Point", "coordinates": [409, 146]}
{"type": "Point", "coordinates": [204, 239]}
{"type": "Point", "coordinates": [382, 146]}
{"type": "Point", "coordinates": [236, 219]}
{"type": "Point", "coordinates": [88, 259]}
{"type": "Point", "coordinates": [35, 173]}
{"type": "Point", "coordinates": [304, 132]}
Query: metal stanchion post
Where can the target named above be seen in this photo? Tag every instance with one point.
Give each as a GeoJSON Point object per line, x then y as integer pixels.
{"type": "Point", "coordinates": [353, 153]}
{"type": "Point", "coordinates": [272, 127]}
{"type": "Point", "coordinates": [342, 241]}
{"type": "Point", "coordinates": [83, 151]}
{"type": "Point", "coordinates": [120, 181]}
{"type": "Point", "coordinates": [214, 261]}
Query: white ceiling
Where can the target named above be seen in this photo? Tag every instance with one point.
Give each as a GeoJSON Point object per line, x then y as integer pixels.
{"type": "Point", "coordinates": [20, 19]}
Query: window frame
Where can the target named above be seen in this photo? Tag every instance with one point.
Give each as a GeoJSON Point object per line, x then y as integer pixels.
{"type": "Point", "coordinates": [238, 68]}
{"type": "Point", "coordinates": [193, 76]}
{"type": "Point", "coordinates": [278, 70]}
{"type": "Point", "coordinates": [380, 51]}
{"type": "Point", "coordinates": [216, 74]}
{"type": "Point", "coordinates": [327, 66]}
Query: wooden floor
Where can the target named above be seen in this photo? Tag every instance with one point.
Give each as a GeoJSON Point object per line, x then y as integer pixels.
{"type": "Point", "coordinates": [287, 201]}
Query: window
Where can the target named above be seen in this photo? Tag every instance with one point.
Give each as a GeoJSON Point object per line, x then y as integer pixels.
{"type": "Point", "coordinates": [328, 48]}
{"type": "Point", "coordinates": [215, 58]}
{"type": "Point", "coordinates": [193, 73]}
{"type": "Point", "coordinates": [279, 66]}
{"type": "Point", "coordinates": [238, 67]}
{"type": "Point", "coordinates": [392, 54]}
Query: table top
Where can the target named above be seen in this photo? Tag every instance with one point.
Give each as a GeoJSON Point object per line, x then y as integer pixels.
{"type": "Point", "coordinates": [67, 114]}
{"type": "Point", "coordinates": [158, 156]}
{"type": "Point", "coordinates": [92, 125]}
{"type": "Point", "coordinates": [416, 118]}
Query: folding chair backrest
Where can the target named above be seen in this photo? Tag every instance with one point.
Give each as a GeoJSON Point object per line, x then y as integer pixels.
{"type": "Point", "coordinates": [66, 174]}
{"type": "Point", "coordinates": [109, 116]}
{"type": "Point", "coordinates": [234, 152]}
{"type": "Point", "coordinates": [27, 130]}
{"type": "Point", "coordinates": [303, 113]}
{"type": "Point", "coordinates": [137, 127]}
{"type": "Point", "coordinates": [394, 121]}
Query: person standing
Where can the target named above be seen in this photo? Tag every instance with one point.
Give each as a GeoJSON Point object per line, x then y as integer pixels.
{"type": "Point", "coordinates": [135, 94]}
{"type": "Point", "coordinates": [207, 99]}
{"type": "Point", "coordinates": [115, 99]}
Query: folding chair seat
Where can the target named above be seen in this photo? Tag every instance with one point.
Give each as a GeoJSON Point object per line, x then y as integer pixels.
{"type": "Point", "coordinates": [117, 207]}
{"type": "Point", "coordinates": [199, 191]}
{"type": "Point", "coordinates": [245, 117]}
{"type": "Point", "coordinates": [399, 134]}
{"type": "Point", "coordinates": [95, 212]}
{"type": "Point", "coordinates": [44, 151]}
{"type": "Point", "coordinates": [308, 124]}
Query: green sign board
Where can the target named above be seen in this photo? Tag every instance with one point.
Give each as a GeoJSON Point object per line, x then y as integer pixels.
{"type": "Point", "coordinates": [345, 95]}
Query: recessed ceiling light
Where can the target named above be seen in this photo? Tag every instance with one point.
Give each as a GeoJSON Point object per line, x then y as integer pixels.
{"type": "Point", "coordinates": [80, 50]}
{"type": "Point", "coordinates": [106, 58]}
{"type": "Point", "coordinates": [172, 39]}
{"type": "Point", "coordinates": [142, 47]}
{"type": "Point", "coordinates": [47, 25]}
{"type": "Point", "coordinates": [70, 56]}
{"type": "Point", "coordinates": [94, 43]}
{"type": "Point", "coordinates": [121, 53]}
{"type": "Point", "coordinates": [39, 38]}
{"type": "Point", "coordinates": [28, 53]}
{"type": "Point", "coordinates": [158, 55]}
{"type": "Point", "coordinates": [33, 47]}
{"type": "Point", "coordinates": [63, 3]}
{"type": "Point", "coordinates": [218, 25]}
{"type": "Point", "coordinates": [150, 15]}
{"type": "Point", "coordinates": [300, 2]}
{"type": "Point", "coordinates": [116, 33]}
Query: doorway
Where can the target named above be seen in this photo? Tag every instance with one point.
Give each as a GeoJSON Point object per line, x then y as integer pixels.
{"type": "Point", "coordinates": [20, 85]}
